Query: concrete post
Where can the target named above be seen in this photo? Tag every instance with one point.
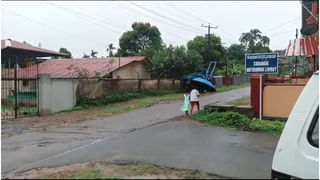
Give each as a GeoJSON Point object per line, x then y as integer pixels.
{"type": "Point", "coordinates": [44, 94]}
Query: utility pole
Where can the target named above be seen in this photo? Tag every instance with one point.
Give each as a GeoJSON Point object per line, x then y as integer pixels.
{"type": "Point", "coordinates": [209, 44]}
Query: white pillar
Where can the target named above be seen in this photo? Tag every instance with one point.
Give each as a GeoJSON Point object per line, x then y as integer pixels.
{"type": "Point", "coordinates": [44, 94]}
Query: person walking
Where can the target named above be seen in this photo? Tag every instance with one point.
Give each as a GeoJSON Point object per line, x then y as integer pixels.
{"type": "Point", "coordinates": [186, 103]}
{"type": "Point", "coordinates": [194, 100]}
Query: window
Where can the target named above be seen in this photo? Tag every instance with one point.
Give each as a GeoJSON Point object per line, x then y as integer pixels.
{"type": "Point", "coordinates": [313, 132]}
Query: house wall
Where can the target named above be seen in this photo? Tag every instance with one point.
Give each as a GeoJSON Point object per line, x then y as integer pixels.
{"type": "Point", "coordinates": [136, 70]}
{"type": "Point", "coordinates": [279, 99]}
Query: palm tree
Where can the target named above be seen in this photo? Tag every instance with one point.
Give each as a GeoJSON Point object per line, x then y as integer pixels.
{"type": "Point", "coordinates": [93, 53]}
{"type": "Point", "coordinates": [109, 49]}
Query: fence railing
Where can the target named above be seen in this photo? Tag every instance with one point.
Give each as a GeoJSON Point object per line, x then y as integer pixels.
{"type": "Point", "coordinates": [236, 79]}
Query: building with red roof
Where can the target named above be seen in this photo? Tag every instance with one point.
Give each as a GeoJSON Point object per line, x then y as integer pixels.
{"type": "Point", "coordinates": [10, 47]}
{"type": "Point", "coordinates": [135, 67]}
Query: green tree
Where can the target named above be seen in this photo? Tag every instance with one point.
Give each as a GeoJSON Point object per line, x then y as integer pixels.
{"type": "Point", "coordinates": [93, 54]}
{"type": "Point", "coordinates": [200, 44]}
{"type": "Point", "coordinates": [142, 36]}
{"type": "Point", "coordinates": [254, 42]}
{"type": "Point", "coordinates": [109, 49]}
{"type": "Point", "coordinates": [65, 51]}
{"type": "Point", "coordinates": [236, 52]}
{"type": "Point", "coordinates": [174, 62]}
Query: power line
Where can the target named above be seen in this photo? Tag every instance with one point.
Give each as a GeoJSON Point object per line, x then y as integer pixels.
{"type": "Point", "coordinates": [190, 28]}
{"type": "Point", "coordinates": [54, 28]}
{"type": "Point", "coordinates": [102, 19]}
{"type": "Point", "coordinates": [165, 22]}
{"type": "Point", "coordinates": [177, 14]}
{"type": "Point", "coordinates": [275, 34]}
{"type": "Point", "coordinates": [186, 12]}
{"type": "Point", "coordinates": [285, 23]}
{"type": "Point", "coordinates": [82, 16]}
{"type": "Point", "coordinates": [190, 15]}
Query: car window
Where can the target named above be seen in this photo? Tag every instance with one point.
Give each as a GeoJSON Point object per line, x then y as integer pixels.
{"type": "Point", "coordinates": [313, 133]}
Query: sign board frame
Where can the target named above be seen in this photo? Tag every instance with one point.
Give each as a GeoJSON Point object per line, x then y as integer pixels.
{"type": "Point", "coordinates": [277, 67]}
{"type": "Point", "coordinates": [261, 73]}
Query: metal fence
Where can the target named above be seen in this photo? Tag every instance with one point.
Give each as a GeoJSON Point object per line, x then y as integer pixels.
{"type": "Point", "coordinates": [238, 79]}
{"type": "Point", "coordinates": [241, 79]}
{"type": "Point", "coordinates": [18, 89]}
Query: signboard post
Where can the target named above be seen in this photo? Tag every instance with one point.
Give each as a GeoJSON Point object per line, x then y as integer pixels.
{"type": "Point", "coordinates": [261, 63]}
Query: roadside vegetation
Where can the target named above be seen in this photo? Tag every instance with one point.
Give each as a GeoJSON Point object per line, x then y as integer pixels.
{"type": "Point", "coordinates": [93, 174]}
{"type": "Point", "coordinates": [121, 102]}
{"type": "Point", "coordinates": [231, 87]}
{"type": "Point", "coordinates": [238, 121]}
{"type": "Point", "coordinates": [240, 102]}
{"type": "Point", "coordinates": [106, 170]}
{"type": "Point", "coordinates": [120, 97]}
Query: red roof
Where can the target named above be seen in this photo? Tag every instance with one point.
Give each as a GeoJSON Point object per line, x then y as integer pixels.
{"type": "Point", "coordinates": [11, 44]}
{"type": "Point", "coordinates": [303, 47]}
{"type": "Point", "coordinates": [70, 68]}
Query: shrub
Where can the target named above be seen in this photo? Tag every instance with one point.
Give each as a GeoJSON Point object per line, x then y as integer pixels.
{"type": "Point", "coordinates": [224, 119]}
{"type": "Point", "coordinates": [274, 127]}
{"type": "Point", "coordinates": [239, 121]}
{"type": "Point", "coordinates": [120, 97]}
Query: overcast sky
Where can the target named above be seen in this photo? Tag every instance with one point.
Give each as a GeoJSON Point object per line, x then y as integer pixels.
{"type": "Point", "coordinates": [82, 25]}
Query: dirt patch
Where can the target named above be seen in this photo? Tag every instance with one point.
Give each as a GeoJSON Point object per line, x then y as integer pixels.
{"type": "Point", "coordinates": [107, 170]}
{"type": "Point", "coordinates": [54, 120]}
{"type": "Point", "coordinates": [64, 119]}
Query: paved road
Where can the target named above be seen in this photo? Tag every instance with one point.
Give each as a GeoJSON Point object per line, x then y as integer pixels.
{"type": "Point", "coordinates": [183, 144]}
{"type": "Point", "coordinates": [22, 150]}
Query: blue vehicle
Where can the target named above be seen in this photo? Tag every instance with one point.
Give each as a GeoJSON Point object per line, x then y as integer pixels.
{"type": "Point", "coordinates": [203, 81]}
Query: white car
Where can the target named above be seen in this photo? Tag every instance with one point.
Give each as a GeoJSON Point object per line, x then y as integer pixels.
{"type": "Point", "coordinates": [297, 152]}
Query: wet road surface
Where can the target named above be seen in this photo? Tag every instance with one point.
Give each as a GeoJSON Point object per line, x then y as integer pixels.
{"type": "Point", "coordinates": [183, 144]}
{"type": "Point", "coordinates": [21, 150]}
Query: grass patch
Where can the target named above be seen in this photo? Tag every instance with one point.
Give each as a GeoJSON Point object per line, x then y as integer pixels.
{"type": "Point", "coordinates": [143, 169]}
{"type": "Point", "coordinates": [223, 119]}
{"type": "Point", "coordinates": [240, 102]}
{"type": "Point", "coordinates": [238, 121]}
{"type": "Point", "coordinates": [223, 88]}
{"type": "Point", "coordinates": [119, 103]}
{"type": "Point", "coordinates": [22, 109]}
{"type": "Point", "coordinates": [273, 127]}
{"type": "Point", "coordinates": [93, 174]}
{"type": "Point", "coordinates": [120, 97]}
{"type": "Point", "coordinates": [120, 107]}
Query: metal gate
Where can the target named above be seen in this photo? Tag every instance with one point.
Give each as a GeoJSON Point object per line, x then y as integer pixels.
{"type": "Point", "coordinates": [19, 88]}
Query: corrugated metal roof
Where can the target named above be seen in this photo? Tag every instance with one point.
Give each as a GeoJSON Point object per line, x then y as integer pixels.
{"type": "Point", "coordinates": [69, 68]}
{"type": "Point", "coordinates": [303, 47]}
{"type": "Point", "coordinates": [8, 43]}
